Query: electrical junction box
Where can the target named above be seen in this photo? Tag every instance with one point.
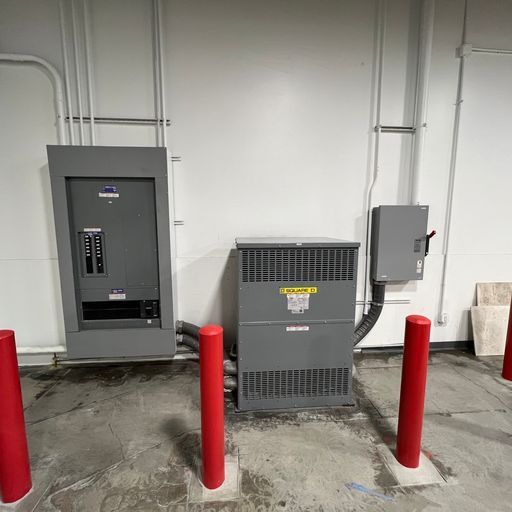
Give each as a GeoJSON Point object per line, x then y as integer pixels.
{"type": "Point", "coordinates": [399, 242]}
{"type": "Point", "coordinates": [296, 299]}
{"type": "Point", "coordinates": [113, 238]}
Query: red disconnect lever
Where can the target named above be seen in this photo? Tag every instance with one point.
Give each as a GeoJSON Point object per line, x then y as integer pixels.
{"type": "Point", "coordinates": [432, 233]}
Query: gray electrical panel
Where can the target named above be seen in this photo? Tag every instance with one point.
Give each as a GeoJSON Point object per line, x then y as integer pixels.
{"type": "Point", "coordinates": [399, 242]}
{"type": "Point", "coordinates": [296, 299]}
{"type": "Point", "coordinates": [113, 239]}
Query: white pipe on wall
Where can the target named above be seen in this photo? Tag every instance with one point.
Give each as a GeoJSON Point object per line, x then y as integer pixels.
{"type": "Point", "coordinates": [376, 122]}
{"type": "Point", "coordinates": [57, 83]}
{"type": "Point", "coordinates": [161, 69]}
{"type": "Point", "coordinates": [62, 22]}
{"type": "Point", "coordinates": [422, 84]}
{"type": "Point", "coordinates": [442, 315]}
{"type": "Point", "coordinates": [89, 69]}
{"type": "Point", "coordinates": [77, 71]}
{"type": "Point", "coordinates": [156, 66]}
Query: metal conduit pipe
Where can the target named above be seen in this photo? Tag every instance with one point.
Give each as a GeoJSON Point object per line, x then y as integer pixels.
{"type": "Point", "coordinates": [161, 69]}
{"type": "Point", "coordinates": [89, 68]}
{"type": "Point", "coordinates": [156, 69]}
{"type": "Point", "coordinates": [57, 83]}
{"type": "Point", "coordinates": [65, 62]}
{"type": "Point", "coordinates": [421, 100]}
{"type": "Point", "coordinates": [380, 36]}
{"type": "Point", "coordinates": [77, 71]}
{"type": "Point", "coordinates": [442, 315]}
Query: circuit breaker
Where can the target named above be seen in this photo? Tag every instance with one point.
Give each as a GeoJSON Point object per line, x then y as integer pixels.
{"type": "Point", "coordinates": [399, 242]}
{"type": "Point", "coordinates": [113, 239]}
{"type": "Point", "coordinates": [296, 308]}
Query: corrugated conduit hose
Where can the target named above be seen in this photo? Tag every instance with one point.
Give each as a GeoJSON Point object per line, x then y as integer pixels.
{"type": "Point", "coordinates": [370, 319]}
{"type": "Point", "coordinates": [188, 334]}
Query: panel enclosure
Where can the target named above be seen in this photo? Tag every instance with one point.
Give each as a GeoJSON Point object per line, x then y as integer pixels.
{"type": "Point", "coordinates": [399, 237]}
{"type": "Point", "coordinates": [296, 301]}
{"type": "Point", "coordinates": [113, 239]}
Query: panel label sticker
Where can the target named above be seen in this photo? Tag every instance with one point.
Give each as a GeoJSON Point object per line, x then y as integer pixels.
{"type": "Point", "coordinates": [92, 230]}
{"type": "Point", "coordinates": [297, 328]}
{"type": "Point", "coordinates": [117, 294]}
{"type": "Point", "coordinates": [287, 291]}
{"type": "Point", "coordinates": [109, 191]}
{"type": "Point", "coordinates": [298, 302]}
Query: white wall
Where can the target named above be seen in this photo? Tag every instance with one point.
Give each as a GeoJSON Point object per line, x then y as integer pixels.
{"type": "Point", "coordinates": [270, 110]}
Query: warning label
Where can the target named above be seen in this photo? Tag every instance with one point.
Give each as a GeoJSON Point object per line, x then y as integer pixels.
{"type": "Point", "coordinates": [310, 289]}
{"type": "Point", "coordinates": [298, 302]}
{"type": "Point", "coordinates": [297, 328]}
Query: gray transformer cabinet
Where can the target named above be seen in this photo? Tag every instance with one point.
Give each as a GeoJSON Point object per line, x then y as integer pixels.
{"type": "Point", "coordinates": [296, 299]}
{"type": "Point", "coordinates": [111, 209]}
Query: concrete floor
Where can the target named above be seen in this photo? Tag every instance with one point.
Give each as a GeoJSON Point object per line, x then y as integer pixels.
{"type": "Point", "coordinates": [127, 439]}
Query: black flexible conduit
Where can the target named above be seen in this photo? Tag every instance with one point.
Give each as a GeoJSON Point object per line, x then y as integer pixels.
{"type": "Point", "coordinates": [188, 334]}
{"type": "Point", "coordinates": [370, 319]}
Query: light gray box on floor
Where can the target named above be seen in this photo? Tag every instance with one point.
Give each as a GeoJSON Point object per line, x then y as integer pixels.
{"type": "Point", "coordinates": [113, 239]}
{"type": "Point", "coordinates": [296, 300]}
{"type": "Point", "coordinates": [399, 241]}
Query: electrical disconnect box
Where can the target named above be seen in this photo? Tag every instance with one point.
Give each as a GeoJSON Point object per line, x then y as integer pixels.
{"type": "Point", "coordinates": [113, 239]}
{"type": "Point", "coordinates": [399, 242]}
{"type": "Point", "coordinates": [296, 299]}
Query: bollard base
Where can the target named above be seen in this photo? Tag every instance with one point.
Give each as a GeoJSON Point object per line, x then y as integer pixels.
{"type": "Point", "coordinates": [229, 490]}
{"type": "Point", "coordinates": [425, 474]}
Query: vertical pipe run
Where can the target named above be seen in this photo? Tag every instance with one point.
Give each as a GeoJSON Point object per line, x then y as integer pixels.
{"type": "Point", "coordinates": [412, 391]}
{"type": "Point", "coordinates": [15, 480]}
{"type": "Point", "coordinates": [507, 358]}
{"type": "Point", "coordinates": [89, 69]}
{"type": "Point", "coordinates": [211, 354]}
{"type": "Point", "coordinates": [156, 64]}
{"type": "Point", "coordinates": [442, 316]}
{"type": "Point", "coordinates": [161, 68]}
{"type": "Point", "coordinates": [77, 71]}
{"type": "Point", "coordinates": [422, 83]}
{"type": "Point", "coordinates": [65, 62]}
{"type": "Point", "coordinates": [380, 38]}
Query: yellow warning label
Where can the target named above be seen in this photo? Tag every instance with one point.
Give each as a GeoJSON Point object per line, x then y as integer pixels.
{"type": "Point", "coordinates": [310, 289]}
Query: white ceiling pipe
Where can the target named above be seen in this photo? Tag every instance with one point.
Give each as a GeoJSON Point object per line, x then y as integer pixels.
{"type": "Point", "coordinates": [422, 83]}
{"type": "Point", "coordinates": [77, 71]}
{"type": "Point", "coordinates": [162, 72]}
{"type": "Point", "coordinates": [56, 81]}
{"type": "Point", "coordinates": [89, 68]}
{"type": "Point", "coordinates": [62, 22]}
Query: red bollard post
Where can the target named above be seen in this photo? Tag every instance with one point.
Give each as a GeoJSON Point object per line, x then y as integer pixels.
{"type": "Point", "coordinates": [15, 481]}
{"type": "Point", "coordinates": [412, 391]}
{"type": "Point", "coordinates": [211, 357]}
{"type": "Point", "coordinates": [507, 358]}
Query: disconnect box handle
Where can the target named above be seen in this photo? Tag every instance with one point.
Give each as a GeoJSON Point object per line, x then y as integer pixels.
{"type": "Point", "coordinates": [427, 241]}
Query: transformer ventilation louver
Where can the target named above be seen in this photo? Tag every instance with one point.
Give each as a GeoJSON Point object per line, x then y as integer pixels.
{"type": "Point", "coordinates": [309, 382]}
{"type": "Point", "coordinates": [293, 265]}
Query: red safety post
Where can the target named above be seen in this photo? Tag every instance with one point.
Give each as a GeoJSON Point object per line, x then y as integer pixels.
{"type": "Point", "coordinates": [211, 356]}
{"type": "Point", "coordinates": [412, 391]}
{"type": "Point", "coordinates": [15, 481]}
{"type": "Point", "coordinates": [507, 358]}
